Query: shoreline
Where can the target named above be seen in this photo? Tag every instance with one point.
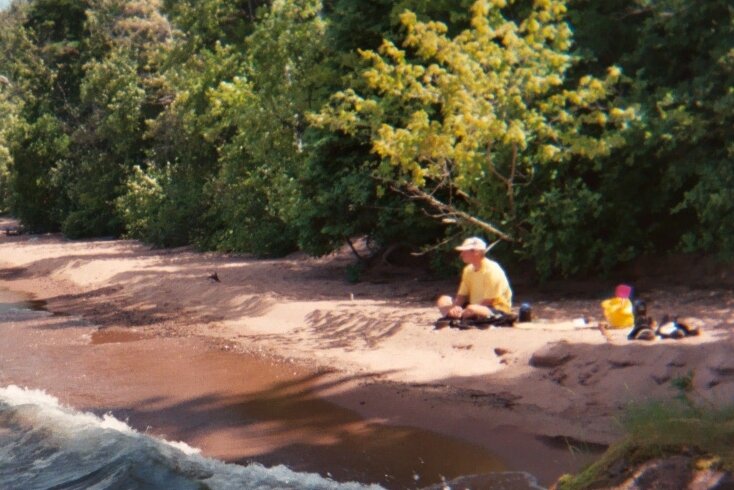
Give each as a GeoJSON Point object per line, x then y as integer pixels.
{"type": "Point", "coordinates": [242, 409]}
{"type": "Point", "coordinates": [553, 380]}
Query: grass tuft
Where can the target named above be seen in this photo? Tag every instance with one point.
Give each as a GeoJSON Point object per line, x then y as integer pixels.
{"type": "Point", "coordinates": [660, 429]}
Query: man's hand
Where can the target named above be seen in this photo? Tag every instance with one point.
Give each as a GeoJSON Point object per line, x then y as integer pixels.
{"type": "Point", "coordinates": [455, 312]}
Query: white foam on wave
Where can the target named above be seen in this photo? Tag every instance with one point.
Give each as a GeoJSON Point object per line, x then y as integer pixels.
{"type": "Point", "coordinates": [88, 436]}
{"type": "Point", "coordinates": [37, 405]}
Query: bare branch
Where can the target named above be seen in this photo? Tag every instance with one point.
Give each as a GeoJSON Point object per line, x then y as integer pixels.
{"type": "Point", "coordinates": [417, 193]}
{"type": "Point", "coordinates": [433, 247]}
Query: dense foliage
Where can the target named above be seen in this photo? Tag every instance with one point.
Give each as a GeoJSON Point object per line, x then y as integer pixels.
{"type": "Point", "coordinates": [583, 134]}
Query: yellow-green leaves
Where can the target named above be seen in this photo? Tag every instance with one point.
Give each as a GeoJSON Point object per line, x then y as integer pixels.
{"type": "Point", "coordinates": [479, 109]}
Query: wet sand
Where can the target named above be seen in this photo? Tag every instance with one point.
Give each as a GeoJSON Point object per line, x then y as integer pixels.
{"type": "Point", "coordinates": [241, 409]}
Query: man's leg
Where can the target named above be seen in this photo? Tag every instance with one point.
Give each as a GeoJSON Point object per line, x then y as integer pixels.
{"type": "Point", "coordinates": [476, 311]}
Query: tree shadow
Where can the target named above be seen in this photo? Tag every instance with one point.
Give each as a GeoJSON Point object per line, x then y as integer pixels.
{"type": "Point", "coordinates": [289, 423]}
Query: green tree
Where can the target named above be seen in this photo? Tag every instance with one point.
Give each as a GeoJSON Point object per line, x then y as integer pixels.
{"type": "Point", "coordinates": [206, 23]}
{"type": "Point", "coordinates": [40, 62]}
{"type": "Point", "coordinates": [37, 149]}
{"type": "Point", "coordinates": [183, 156]}
{"type": "Point", "coordinates": [10, 109]}
{"type": "Point", "coordinates": [338, 198]}
{"type": "Point", "coordinates": [256, 192]}
{"type": "Point", "coordinates": [121, 88]}
{"type": "Point", "coordinates": [689, 110]}
{"type": "Point", "coordinates": [464, 124]}
{"type": "Point", "coordinates": [668, 188]}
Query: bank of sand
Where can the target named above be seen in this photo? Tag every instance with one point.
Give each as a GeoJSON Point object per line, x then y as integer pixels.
{"type": "Point", "coordinates": [557, 378]}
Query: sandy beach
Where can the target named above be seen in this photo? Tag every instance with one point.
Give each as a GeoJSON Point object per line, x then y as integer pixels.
{"type": "Point", "coordinates": [537, 396]}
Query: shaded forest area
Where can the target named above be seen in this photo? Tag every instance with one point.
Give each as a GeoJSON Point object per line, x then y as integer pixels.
{"type": "Point", "coordinates": [580, 134]}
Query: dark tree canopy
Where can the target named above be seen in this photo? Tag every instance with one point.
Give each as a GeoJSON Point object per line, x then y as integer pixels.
{"type": "Point", "coordinates": [582, 133]}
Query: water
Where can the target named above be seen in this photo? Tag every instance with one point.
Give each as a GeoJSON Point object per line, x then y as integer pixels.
{"type": "Point", "coordinates": [11, 301]}
{"type": "Point", "coordinates": [45, 445]}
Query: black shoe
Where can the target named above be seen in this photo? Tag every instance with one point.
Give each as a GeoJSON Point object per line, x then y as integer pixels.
{"type": "Point", "coordinates": [442, 322]}
{"type": "Point", "coordinates": [645, 334]}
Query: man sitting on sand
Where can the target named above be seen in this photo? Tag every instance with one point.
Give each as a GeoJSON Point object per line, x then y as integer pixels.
{"type": "Point", "coordinates": [484, 289]}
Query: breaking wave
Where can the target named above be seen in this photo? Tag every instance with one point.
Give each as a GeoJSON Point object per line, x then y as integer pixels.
{"type": "Point", "coordinates": [45, 445]}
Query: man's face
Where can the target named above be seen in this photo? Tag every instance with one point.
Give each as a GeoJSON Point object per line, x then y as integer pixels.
{"type": "Point", "coordinates": [470, 256]}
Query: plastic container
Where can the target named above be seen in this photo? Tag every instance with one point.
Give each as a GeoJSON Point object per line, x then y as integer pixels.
{"type": "Point", "coordinates": [618, 312]}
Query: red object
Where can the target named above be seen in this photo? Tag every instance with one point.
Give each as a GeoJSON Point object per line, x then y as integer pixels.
{"type": "Point", "coordinates": [623, 291]}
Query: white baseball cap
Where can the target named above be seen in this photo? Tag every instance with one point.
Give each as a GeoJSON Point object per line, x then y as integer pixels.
{"type": "Point", "coordinates": [473, 243]}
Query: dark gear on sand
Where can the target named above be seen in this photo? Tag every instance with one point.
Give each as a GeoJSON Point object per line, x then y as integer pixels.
{"type": "Point", "coordinates": [645, 327]}
{"type": "Point", "coordinates": [496, 319]}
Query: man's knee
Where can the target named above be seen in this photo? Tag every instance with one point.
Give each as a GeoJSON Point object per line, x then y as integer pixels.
{"type": "Point", "coordinates": [445, 301]}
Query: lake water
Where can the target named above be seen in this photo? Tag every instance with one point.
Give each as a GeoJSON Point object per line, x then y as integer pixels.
{"type": "Point", "coordinates": [44, 445]}
{"type": "Point", "coordinates": [281, 436]}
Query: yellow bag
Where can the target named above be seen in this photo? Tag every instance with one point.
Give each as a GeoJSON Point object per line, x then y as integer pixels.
{"type": "Point", "coordinates": [618, 312]}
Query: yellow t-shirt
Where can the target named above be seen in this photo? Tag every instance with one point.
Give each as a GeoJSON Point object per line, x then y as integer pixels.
{"type": "Point", "coordinates": [487, 283]}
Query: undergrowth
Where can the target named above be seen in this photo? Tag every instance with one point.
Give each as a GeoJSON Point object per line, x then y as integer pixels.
{"type": "Point", "coordinates": [690, 425]}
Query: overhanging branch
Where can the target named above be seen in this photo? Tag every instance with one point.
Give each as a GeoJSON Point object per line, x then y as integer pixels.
{"type": "Point", "coordinates": [447, 210]}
